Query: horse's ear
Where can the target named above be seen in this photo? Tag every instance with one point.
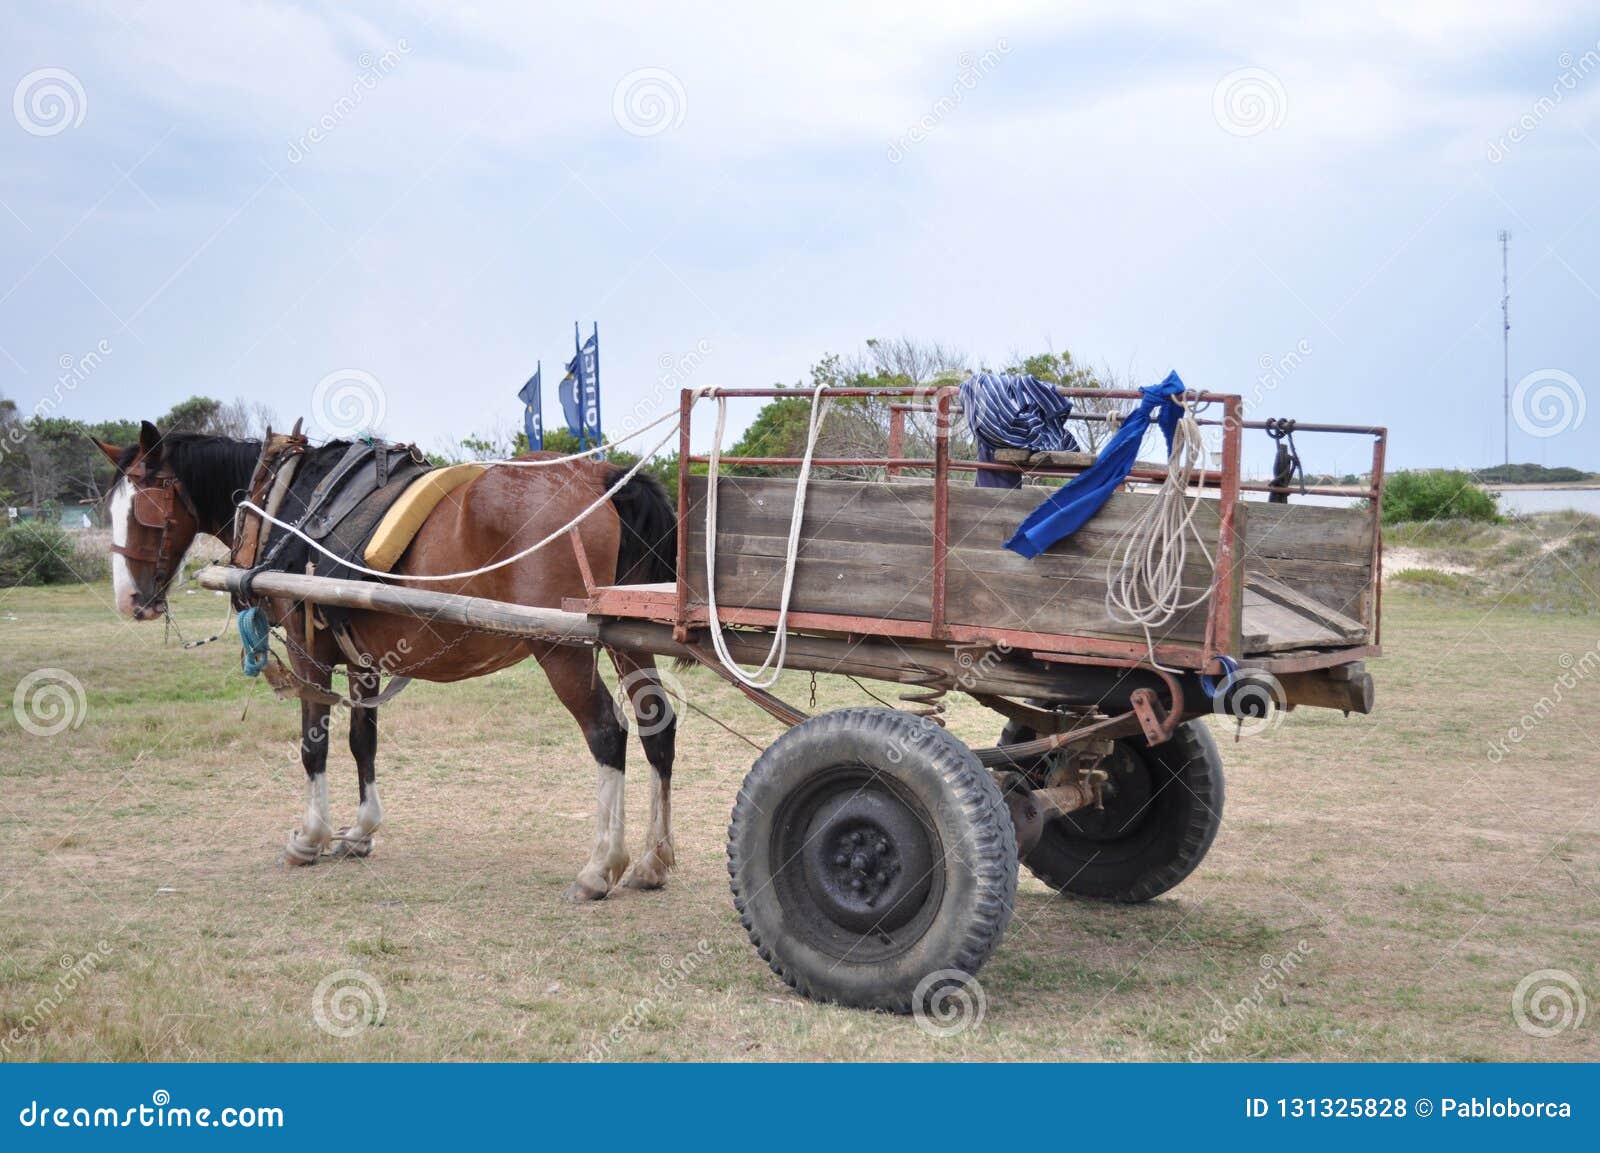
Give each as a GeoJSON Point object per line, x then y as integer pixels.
{"type": "Point", "coordinates": [149, 439]}
{"type": "Point", "coordinates": [112, 452]}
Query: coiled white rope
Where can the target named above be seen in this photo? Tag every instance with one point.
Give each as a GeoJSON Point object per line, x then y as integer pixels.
{"type": "Point", "coordinates": [1144, 577]}
{"type": "Point", "coordinates": [294, 530]}
{"type": "Point", "coordinates": [767, 675]}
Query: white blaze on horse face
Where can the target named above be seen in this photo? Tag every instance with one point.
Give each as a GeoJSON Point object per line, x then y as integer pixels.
{"type": "Point", "coordinates": [123, 586]}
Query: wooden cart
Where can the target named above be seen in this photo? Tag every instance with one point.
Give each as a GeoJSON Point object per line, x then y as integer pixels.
{"type": "Point", "coordinates": [874, 856]}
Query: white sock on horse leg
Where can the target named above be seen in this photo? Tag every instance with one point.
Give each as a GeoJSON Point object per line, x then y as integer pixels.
{"type": "Point", "coordinates": [316, 830]}
{"type": "Point", "coordinates": [609, 857]}
{"type": "Point", "coordinates": [317, 826]}
{"type": "Point", "coordinates": [369, 815]}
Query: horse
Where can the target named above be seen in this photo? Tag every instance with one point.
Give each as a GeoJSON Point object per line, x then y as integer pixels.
{"type": "Point", "coordinates": [171, 487]}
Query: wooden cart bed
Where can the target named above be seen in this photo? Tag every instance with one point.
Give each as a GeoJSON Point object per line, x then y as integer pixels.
{"type": "Point", "coordinates": [1305, 581]}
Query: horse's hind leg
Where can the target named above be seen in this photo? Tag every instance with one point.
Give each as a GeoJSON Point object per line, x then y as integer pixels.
{"type": "Point", "coordinates": [307, 842]}
{"type": "Point", "coordinates": [356, 841]}
{"type": "Point", "coordinates": [572, 675]}
{"type": "Point", "coordinates": [658, 725]}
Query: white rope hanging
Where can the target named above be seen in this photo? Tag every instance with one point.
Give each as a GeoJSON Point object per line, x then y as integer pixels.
{"type": "Point", "coordinates": [767, 675]}
{"type": "Point", "coordinates": [1144, 577]}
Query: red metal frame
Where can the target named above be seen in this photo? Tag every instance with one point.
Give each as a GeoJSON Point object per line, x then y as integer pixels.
{"type": "Point", "coordinates": [1220, 637]}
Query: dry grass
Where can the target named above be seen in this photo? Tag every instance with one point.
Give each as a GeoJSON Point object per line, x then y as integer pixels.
{"type": "Point", "coordinates": [1424, 878]}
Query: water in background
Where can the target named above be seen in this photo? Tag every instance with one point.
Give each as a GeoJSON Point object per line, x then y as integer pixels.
{"type": "Point", "coordinates": [1528, 500]}
{"type": "Point", "coordinates": [1512, 500]}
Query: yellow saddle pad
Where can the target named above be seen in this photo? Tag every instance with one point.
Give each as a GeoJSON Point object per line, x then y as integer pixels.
{"type": "Point", "coordinates": [405, 516]}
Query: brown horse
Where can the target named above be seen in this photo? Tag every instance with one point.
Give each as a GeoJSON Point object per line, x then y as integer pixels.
{"type": "Point", "coordinates": [172, 487]}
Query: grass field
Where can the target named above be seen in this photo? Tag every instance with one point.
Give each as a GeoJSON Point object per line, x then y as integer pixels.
{"type": "Point", "coordinates": [1381, 886]}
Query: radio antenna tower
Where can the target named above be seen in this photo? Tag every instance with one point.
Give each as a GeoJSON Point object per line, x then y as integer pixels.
{"type": "Point", "coordinates": [1505, 335]}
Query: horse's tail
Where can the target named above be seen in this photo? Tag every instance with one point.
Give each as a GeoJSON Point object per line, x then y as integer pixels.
{"type": "Point", "coordinates": [648, 552]}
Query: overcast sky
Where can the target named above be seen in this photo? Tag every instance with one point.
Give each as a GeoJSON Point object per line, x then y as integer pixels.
{"type": "Point", "coordinates": [246, 199]}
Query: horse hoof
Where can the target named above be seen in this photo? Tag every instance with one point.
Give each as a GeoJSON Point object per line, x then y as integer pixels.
{"type": "Point", "coordinates": [579, 893]}
{"type": "Point", "coordinates": [346, 847]}
{"type": "Point", "coordinates": [644, 880]}
{"type": "Point", "coordinates": [299, 852]}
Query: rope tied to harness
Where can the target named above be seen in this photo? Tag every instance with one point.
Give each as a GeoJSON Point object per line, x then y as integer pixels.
{"type": "Point", "coordinates": [351, 565]}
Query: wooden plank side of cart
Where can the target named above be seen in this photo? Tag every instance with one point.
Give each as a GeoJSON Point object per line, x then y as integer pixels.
{"type": "Point", "coordinates": [865, 553]}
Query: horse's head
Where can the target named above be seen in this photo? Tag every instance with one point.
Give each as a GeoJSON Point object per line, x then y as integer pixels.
{"type": "Point", "coordinates": [153, 522]}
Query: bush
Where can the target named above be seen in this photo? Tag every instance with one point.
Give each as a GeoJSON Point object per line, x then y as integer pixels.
{"type": "Point", "coordinates": [36, 553]}
{"type": "Point", "coordinates": [1437, 494]}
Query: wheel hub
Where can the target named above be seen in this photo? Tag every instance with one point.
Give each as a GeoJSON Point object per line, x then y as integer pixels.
{"type": "Point", "coordinates": [869, 860]}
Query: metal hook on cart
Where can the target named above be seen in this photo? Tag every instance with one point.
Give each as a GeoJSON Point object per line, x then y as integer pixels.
{"type": "Point", "coordinates": [1286, 465]}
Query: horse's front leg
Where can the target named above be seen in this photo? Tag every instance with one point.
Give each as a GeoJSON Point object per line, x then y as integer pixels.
{"type": "Point", "coordinates": [356, 840]}
{"type": "Point", "coordinates": [309, 841]}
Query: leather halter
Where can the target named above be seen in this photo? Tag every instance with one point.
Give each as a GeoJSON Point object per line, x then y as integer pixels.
{"type": "Point", "coordinates": [157, 497]}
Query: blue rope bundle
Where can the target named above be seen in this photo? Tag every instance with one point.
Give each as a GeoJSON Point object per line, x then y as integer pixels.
{"type": "Point", "coordinates": [254, 632]}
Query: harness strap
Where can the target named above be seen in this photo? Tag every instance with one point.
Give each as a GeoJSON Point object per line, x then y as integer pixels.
{"type": "Point", "coordinates": [286, 682]}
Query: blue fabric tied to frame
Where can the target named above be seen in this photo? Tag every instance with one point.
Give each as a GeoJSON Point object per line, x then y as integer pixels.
{"type": "Point", "coordinates": [1071, 506]}
{"type": "Point", "coordinates": [1014, 412]}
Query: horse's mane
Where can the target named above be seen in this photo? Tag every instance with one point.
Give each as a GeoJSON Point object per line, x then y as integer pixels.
{"type": "Point", "coordinates": [214, 470]}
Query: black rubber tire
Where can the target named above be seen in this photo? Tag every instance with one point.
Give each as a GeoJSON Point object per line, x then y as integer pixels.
{"type": "Point", "coordinates": [959, 812]}
{"type": "Point", "coordinates": [1158, 844]}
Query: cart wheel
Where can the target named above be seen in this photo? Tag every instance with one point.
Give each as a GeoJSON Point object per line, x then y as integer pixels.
{"type": "Point", "coordinates": [869, 850]}
{"type": "Point", "coordinates": [1163, 806]}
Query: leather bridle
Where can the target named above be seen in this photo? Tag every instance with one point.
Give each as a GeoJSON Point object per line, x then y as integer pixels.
{"type": "Point", "coordinates": [159, 502]}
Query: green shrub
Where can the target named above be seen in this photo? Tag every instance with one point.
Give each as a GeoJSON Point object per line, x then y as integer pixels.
{"type": "Point", "coordinates": [36, 553]}
{"type": "Point", "coordinates": [1436, 494]}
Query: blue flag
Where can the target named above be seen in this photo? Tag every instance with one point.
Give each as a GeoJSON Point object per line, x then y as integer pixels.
{"type": "Point", "coordinates": [570, 408]}
{"type": "Point", "coordinates": [533, 411]}
{"type": "Point", "coordinates": [589, 385]}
